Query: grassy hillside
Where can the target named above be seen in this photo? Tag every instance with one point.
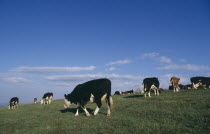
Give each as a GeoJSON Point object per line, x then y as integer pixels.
{"type": "Point", "coordinates": [187, 111]}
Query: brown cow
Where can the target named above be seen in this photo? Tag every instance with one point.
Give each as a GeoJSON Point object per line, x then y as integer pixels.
{"type": "Point", "coordinates": [175, 83]}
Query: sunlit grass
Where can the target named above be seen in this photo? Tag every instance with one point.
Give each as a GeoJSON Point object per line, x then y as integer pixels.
{"type": "Point", "coordinates": [187, 111]}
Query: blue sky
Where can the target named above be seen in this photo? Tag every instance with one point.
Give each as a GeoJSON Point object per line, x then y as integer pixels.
{"type": "Point", "coordinates": [55, 45]}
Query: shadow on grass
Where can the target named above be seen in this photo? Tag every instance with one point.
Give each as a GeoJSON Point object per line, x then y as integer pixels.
{"type": "Point", "coordinates": [134, 96]}
{"type": "Point", "coordinates": [73, 110]}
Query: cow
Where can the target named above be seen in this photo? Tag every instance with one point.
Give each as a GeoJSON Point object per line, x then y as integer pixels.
{"type": "Point", "coordinates": [13, 103]}
{"type": "Point", "coordinates": [188, 86]}
{"type": "Point", "coordinates": [117, 93]}
{"type": "Point", "coordinates": [124, 92]}
{"type": "Point", "coordinates": [47, 98]}
{"type": "Point", "coordinates": [175, 83]}
{"type": "Point", "coordinates": [130, 91]}
{"type": "Point", "coordinates": [99, 88]}
{"type": "Point", "coordinates": [35, 100]}
{"type": "Point", "coordinates": [151, 84]}
{"type": "Point", "coordinates": [200, 81]}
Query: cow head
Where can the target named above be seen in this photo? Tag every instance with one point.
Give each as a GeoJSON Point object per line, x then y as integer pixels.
{"type": "Point", "coordinates": [67, 101]}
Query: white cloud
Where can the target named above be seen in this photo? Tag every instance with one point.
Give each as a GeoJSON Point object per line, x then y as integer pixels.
{"type": "Point", "coordinates": [15, 80]}
{"type": "Point", "coordinates": [149, 55]}
{"type": "Point", "coordinates": [120, 62]}
{"type": "Point", "coordinates": [165, 59]}
{"type": "Point", "coordinates": [182, 60]}
{"type": "Point", "coordinates": [52, 69]}
{"type": "Point", "coordinates": [111, 69]}
{"type": "Point", "coordinates": [188, 67]}
{"type": "Point", "coordinates": [90, 76]}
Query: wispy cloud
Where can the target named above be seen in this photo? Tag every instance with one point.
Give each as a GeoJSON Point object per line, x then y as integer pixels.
{"type": "Point", "coordinates": [52, 69]}
{"type": "Point", "coordinates": [111, 69]}
{"type": "Point", "coordinates": [182, 60]}
{"type": "Point", "coordinates": [15, 79]}
{"type": "Point", "coordinates": [119, 62]}
{"type": "Point", "coordinates": [149, 55]}
{"type": "Point", "coordinates": [90, 76]}
{"type": "Point", "coordinates": [165, 59]}
{"type": "Point", "coordinates": [189, 67]}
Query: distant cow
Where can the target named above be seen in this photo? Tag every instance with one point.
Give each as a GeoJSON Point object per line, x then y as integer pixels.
{"type": "Point", "coordinates": [13, 103]}
{"type": "Point", "coordinates": [35, 100]}
{"type": "Point", "coordinates": [99, 88]}
{"type": "Point", "coordinates": [117, 93]}
{"type": "Point", "coordinates": [188, 86]}
{"type": "Point", "coordinates": [47, 98]}
{"type": "Point", "coordinates": [124, 92]}
{"type": "Point", "coordinates": [151, 84]}
{"type": "Point", "coordinates": [200, 81]}
{"type": "Point", "coordinates": [175, 83]}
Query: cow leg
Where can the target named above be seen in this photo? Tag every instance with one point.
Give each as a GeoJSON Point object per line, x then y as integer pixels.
{"type": "Point", "coordinates": [158, 92]}
{"type": "Point", "coordinates": [194, 85]}
{"type": "Point", "coordinates": [77, 113]}
{"type": "Point", "coordinates": [155, 91]}
{"type": "Point", "coordinates": [17, 105]}
{"type": "Point", "coordinates": [99, 104]}
{"type": "Point", "coordinates": [177, 90]}
{"type": "Point", "coordinates": [78, 106]}
{"type": "Point", "coordinates": [149, 93]}
{"type": "Point", "coordinates": [84, 108]}
{"type": "Point", "coordinates": [108, 106]}
{"type": "Point", "coordinates": [145, 93]}
{"type": "Point", "coordinates": [50, 101]}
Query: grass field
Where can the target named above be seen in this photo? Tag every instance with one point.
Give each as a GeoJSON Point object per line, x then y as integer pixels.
{"type": "Point", "coordinates": [185, 112]}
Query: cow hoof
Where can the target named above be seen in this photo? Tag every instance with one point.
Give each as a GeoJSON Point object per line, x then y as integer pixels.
{"type": "Point", "coordinates": [108, 114]}
{"type": "Point", "coordinates": [76, 115]}
{"type": "Point", "coordinates": [88, 114]}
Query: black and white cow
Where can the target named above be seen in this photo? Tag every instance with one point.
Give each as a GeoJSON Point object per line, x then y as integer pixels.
{"type": "Point", "coordinates": [200, 81]}
{"type": "Point", "coordinates": [47, 98]}
{"type": "Point", "coordinates": [13, 103]}
{"type": "Point", "coordinates": [99, 88]}
{"type": "Point", "coordinates": [35, 100]}
{"type": "Point", "coordinates": [151, 84]}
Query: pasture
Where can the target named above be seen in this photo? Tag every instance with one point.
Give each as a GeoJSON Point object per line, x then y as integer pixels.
{"type": "Point", "coordinates": [187, 111]}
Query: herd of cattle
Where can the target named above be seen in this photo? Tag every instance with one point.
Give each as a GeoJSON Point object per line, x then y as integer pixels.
{"type": "Point", "coordinates": [100, 89]}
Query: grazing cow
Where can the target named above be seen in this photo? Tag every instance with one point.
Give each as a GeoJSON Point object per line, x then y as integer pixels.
{"type": "Point", "coordinates": [35, 100]}
{"type": "Point", "coordinates": [130, 91]}
{"type": "Point", "coordinates": [175, 83]}
{"type": "Point", "coordinates": [13, 103]}
{"type": "Point", "coordinates": [200, 81]}
{"type": "Point", "coordinates": [99, 88]}
{"type": "Point", "coordinates": [47, 98]}
{"type": "Point", "coordinates": [124, 92]}
{"type": "Point", "coordinates": [151, 84]}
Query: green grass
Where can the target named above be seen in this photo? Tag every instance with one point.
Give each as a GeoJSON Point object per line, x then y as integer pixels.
{"type": "Point", "coordinates": [185, 112]}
